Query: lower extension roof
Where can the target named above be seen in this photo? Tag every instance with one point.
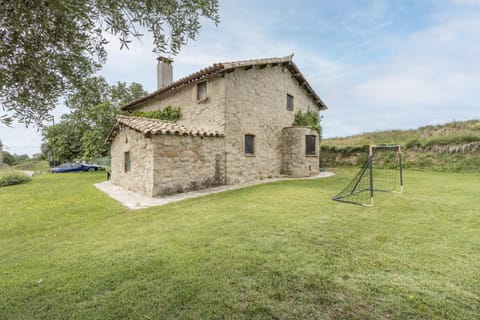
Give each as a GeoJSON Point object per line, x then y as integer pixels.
{"type": "Point", "coordinates": [149, 126]}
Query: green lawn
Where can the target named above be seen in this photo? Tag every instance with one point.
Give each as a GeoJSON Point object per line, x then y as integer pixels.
{"type": "Point", "coordinates": [275, 251]}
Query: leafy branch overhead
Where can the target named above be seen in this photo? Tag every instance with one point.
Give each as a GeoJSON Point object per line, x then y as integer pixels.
{"type": "Point", "coordinates": [49, 48]}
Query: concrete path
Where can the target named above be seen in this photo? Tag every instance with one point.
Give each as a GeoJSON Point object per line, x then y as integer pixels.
{"type": "Point", "coordinates": [27, 173]}
{"type": "Point", "coordinates": [136, 201]}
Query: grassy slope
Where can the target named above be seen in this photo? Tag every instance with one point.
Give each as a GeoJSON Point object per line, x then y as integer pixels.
{"type": "Point", "coordinates": [276, 251]}
{"type": "Point", "coordinates": [454, 132]}
{"type": "Point", "coordinates": [33, 165]}
{"type": "Point", "coordinates": [425, 148]}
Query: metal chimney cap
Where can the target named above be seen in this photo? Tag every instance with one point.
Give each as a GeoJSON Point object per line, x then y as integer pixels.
{"type": "Point", "coordinates": [165, 60]}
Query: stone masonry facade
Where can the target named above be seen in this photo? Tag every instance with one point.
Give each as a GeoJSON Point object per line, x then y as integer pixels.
{"type": "Point", "coordinates": [185, 163]}
{"type": "Point", "coordinates": [254, 98]}
{"type": "Point", "coordinates": [156, 158]}
{"type": "Point", "coordinates": [256, 104]}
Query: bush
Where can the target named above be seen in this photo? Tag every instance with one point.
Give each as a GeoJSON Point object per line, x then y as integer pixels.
{"type": "Point", "coordinates": [454, 139]}
{"type": "Point", "coordinates": [33, 165]}
{"type": "Point", "coordinates": [309, 119]}
{"type": "Point", "coordinates": [169, 113]}
{"type": "Point", "coordinates": [13, 178]}
{"type": "Point", "coordinates": [413, 143]}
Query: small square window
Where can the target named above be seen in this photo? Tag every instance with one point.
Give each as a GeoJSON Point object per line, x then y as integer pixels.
{"type": "Point", "coordinates": [249, 144]}
{"type": "Point", "coordinates": [289, 102]}
{"type": "Point", "coordinates": [126, 161]}
{"type": "Point", "coordinates": [311, 145]}
{"type": "Point", "coordinates": [202, 90]}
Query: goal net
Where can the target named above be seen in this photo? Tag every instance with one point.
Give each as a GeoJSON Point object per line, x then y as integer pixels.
{"type": "Point", "coordinates": [382, 171]}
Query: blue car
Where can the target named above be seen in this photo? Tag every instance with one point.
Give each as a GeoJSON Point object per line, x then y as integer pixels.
{"type": "Point", "coordinates": [74, 166]}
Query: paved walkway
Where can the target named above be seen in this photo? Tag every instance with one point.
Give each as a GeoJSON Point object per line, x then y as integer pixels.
{"type": "Point", "coordinates": [28, 173]}
{"type": "Point", "coordinates": [136, 201]}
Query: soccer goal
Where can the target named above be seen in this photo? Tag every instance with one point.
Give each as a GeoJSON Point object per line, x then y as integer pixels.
{"type": "Point", "coordinates": [382, 171]}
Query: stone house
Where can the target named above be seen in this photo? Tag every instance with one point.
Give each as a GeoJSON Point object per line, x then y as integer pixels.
{"type": "Point", "coordinates": [236, 126]}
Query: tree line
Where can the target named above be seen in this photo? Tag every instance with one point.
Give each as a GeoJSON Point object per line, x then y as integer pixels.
{"type": "Point", "coordinates": [81, 134]}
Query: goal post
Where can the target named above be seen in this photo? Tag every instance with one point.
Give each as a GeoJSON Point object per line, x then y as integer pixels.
{"type": "Point", "coordinates": [381, 172]}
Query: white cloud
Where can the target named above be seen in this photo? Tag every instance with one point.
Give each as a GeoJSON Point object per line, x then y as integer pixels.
{"type": "Point", "coordinates": [433, 76]}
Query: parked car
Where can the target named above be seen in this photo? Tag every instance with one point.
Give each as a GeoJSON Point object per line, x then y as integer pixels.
{"type": "Point", "coordinates": [74, 166]}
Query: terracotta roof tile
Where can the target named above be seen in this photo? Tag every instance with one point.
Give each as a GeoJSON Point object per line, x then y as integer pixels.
{"type": "Point", "coordinates": [218, 68]}
{"type": "Point", "coordinates": [155, 126]}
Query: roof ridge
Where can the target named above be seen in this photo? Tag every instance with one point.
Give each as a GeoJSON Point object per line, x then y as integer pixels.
{"type": "Point", "coordinates": [206, 73]}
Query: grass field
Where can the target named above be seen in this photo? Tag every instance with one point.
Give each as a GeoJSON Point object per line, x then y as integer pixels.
{"type": "Point", "coordinates": [275, 251]}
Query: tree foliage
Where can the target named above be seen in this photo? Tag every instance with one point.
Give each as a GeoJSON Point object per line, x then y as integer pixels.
{"type": "Point", "coordinates": [49, 48]}
{"type": "Point", "coordinates": [81, 134]}
{"type": "Point", "coordinates": [8, 158]}
{"type": "Point", "coordinates": [12, 159]}
{"type": "Point", "coordinates": [169, 113]}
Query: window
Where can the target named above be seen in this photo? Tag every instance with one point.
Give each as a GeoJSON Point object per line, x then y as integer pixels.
{"type": "Point", "coordinates": [289, 102]}
{"type": "Point", "coordinates": [126, 161]}
{"type": "Point", "coordinates": [310, 145]}
{"type": "Point", "coordinates": [201, 90]}
{"type": "Point", "coordinates": [249, 144]}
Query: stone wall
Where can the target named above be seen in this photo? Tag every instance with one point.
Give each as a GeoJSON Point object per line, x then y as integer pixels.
{"type": "Point", "coordinates": [140, 177]}
{"type": "Point", "coordinates": [256, 104]}
{"type": "Point", "coordinates": [295, 162]}
{"type": "Point", "coordinates": [208, 114]}
{"type": "Point", "coordinates": [185, 163]}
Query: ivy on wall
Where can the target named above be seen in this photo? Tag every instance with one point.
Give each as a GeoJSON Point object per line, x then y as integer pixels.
{"type": "Point", "coordinates": [309, 119]}
{"type": "Point", "coordinates": [169, 113]}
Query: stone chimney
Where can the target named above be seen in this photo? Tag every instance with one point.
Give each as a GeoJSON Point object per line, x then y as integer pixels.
{"type": "Point", "coordinates": [164, 72]}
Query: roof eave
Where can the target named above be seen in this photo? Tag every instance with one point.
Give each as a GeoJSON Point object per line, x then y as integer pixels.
{"type": "Point", "coordinates": [306, 85]}
{"type": "Point", "coordinates": [193, 78]}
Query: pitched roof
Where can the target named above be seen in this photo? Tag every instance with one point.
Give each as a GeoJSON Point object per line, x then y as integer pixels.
{"type": "Point", "coordinates": [219, 68]}
{"type": "Point", "coordinates": [155, 126]}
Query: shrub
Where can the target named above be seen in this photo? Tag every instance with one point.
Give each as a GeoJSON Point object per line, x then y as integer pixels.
{"type": "Point", "coordinates": [13, 178]}
{"type": "Point", "coordinates": [454, 139]}
{"type": "Point", "coordinates": [169, 114]}
{"type": "Point", "coordinates": [309, 119]}
{"type": "Point", "coordinates": [413, 143]}
{"type": "Point", "coordinates": [476, 125]}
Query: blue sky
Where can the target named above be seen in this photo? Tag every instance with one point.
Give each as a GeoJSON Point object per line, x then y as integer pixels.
{"type": "Point", "coordinates": [376, 64]}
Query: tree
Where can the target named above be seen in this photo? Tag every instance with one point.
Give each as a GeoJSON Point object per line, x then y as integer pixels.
{"type": "Point", "coordinates": [49, 48]}
{"type": "Point", "coordinates": [81, 134]}
{"type": "Point", "coordinates": [310, 119]}
{"type": "Point", "coordinates": [8, 158]}
{"type": "Point", "coordinates": [64, 140]}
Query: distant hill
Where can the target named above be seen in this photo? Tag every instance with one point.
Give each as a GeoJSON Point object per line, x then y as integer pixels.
{"type": "Point", "coordinates": [454, 146]}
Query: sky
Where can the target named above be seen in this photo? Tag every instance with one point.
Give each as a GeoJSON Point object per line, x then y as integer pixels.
{"type": "Point", "coordinates": [377, 65]}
